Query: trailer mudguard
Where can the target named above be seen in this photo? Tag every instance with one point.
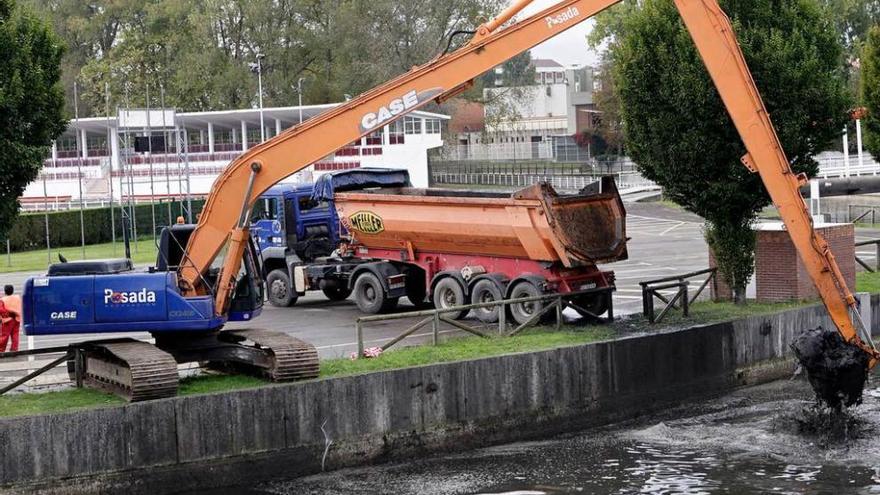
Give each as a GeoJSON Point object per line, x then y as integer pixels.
{"type": "Point", "coordinates": [384, 270]}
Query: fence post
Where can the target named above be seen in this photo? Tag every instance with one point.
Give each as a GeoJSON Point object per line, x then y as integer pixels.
{"type": "Point", "coordinates": [502, 318]}
{"type": "Point", "coordinates": [559, 313]}
{"type": "Point", "coordinates": [360, 337]}
{"type": "Point", "coordinates": [609, 297]}
{"type": "Point", "coordinates": [685, 302]}
{"type": "Point", "coordinates": [877, 257]}
{"type": "Point", "coordinates": [436, 328]}
{"type": "Point", "coordinates": [648, 303]}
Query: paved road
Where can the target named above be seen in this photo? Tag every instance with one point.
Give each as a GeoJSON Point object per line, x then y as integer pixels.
{"type": "Point", "coordinates": [664, 242]}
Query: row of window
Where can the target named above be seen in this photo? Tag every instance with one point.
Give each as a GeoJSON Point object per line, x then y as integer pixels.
{"type": "Point", "coordinates": [557, 77]}
{"type": "Point", "coordinates": [223, 139]}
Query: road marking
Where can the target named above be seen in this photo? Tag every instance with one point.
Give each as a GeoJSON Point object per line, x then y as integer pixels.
{"type": "Point", "coordinates": [640, 217]}
{"type": "Point", "coordinates": [670, 229]}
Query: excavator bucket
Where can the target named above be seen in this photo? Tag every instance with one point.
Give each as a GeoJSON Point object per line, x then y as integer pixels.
{"type": "Point", "coordinates": [836, 370]}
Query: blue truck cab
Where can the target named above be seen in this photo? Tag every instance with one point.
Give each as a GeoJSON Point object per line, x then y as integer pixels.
{"type": "Point", "coordinates": [296, 225]}
{"type": "Point", "coordinates": [287, 222]}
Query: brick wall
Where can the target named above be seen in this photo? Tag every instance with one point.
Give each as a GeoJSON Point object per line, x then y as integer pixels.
{"type": "Point", "coordinates": [720, 291]}
{"type": "Point", "coordinates": [780, 274]}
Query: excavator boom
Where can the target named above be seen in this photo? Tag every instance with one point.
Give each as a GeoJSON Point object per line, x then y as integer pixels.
{"type": "Point", "coordinates": [238, 188]}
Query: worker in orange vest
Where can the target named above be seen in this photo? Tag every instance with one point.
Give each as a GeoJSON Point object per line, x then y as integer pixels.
{"type": "Point", "coordinates": [11, 321]}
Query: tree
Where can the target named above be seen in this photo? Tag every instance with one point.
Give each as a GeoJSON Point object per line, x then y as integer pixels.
{"type": "Point", "coordinates": [610, 124]}
{"type": "Point", "coordinates": [870, 90]}
{"type": "Point", "coordinates": [31, 102]}
{"type": "Point", "coordinates": [199, 50]}
{"type": "Point", "coordinates": [853, 19]}
{"type": "Point", "coordinates": [680, 135]}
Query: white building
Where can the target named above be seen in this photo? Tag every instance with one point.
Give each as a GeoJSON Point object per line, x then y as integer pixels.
{"type": "Point", "coordinates": [200, 145]}
{"type": "Point", "coordinates": [533, 122]}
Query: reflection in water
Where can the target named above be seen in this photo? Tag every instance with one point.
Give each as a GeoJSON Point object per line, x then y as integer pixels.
{"type": "Point", "coordinates": [752, 442]}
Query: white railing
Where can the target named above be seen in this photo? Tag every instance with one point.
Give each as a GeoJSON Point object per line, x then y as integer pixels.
{"type": "Point", "coordinates": [834, 165]}
{"type": "Point", "coordinates": [498, 151]}
{"type": "Point", "coordinates": [625, 180]}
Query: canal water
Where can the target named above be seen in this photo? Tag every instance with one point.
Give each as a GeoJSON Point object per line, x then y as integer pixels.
{"type": "Point", "coordinates": [755, 441]}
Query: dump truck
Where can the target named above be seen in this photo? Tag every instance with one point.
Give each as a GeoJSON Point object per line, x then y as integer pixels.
{"type": "Point", "coordinates": [454, 247]}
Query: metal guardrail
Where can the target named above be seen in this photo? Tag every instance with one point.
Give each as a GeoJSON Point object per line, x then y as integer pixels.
{"type": "Point", "coordinates": [876, 243]}
{"type": "Point", "coordinates": [435, 317]}
{"type": "Point", "coordinates": [653, 288]}
{"type": "Point", "coordinates": [869, 210]}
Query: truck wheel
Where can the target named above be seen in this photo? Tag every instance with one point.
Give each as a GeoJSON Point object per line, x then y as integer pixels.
{"type": "Point", "coordinates": [370, 295]}
{"type": "Point", "coordinates": [486, 291]}
{"type": "Point", "coordinates": [523, 312]}
{"type": "Point", "coordinates": [336, 293]}
{"type": "Point", "coordinates": [280, 292]}
{"type": "Point", "coordinates": [596, 304]}
{"type": "Point", "coordinates": [448, 293]}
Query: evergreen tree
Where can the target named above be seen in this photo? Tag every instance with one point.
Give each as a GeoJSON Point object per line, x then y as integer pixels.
{"type": "Point", "coordinates": [31, 102]}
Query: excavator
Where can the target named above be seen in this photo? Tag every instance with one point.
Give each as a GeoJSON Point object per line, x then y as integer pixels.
{"type": "Point", "coordinates": [207, 274]}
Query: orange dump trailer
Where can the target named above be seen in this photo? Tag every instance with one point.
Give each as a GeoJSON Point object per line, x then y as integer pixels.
{"type": "Point", "coordinates": [452, 248]}
{"type": "Point", "coordinates": [533, 224]}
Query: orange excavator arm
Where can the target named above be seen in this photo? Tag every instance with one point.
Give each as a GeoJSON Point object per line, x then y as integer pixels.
{"type": "Point", "coordinates": [224, 221]}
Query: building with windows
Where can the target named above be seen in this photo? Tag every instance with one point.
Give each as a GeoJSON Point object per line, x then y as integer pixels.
{"type": "Point", "coordinates": [164, 154]}
{"type": "Point", "coordinates": [538, 121]}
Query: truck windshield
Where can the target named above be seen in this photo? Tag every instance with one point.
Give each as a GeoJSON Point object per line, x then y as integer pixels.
{"type": "Point", "coordinates": [265, 209]}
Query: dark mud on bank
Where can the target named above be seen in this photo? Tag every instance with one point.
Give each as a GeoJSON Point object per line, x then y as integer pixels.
{"type": "Point", "coordinates": [760, 440]}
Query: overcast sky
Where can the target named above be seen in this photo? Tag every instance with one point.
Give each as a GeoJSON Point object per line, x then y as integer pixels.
{"type": "Point", "coordinates": [570, 47]}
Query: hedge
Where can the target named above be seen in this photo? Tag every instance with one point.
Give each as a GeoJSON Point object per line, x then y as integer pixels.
{"type": "Point", "coordinates": [29, 230]}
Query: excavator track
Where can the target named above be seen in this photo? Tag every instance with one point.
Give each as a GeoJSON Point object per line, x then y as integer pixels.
{"type": "Point", "coordinates": [132, 369]}
{"type": "Point", "coordinates": [290, 358]}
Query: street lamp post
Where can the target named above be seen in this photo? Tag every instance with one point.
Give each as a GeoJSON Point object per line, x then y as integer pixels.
{"type": "Point", "coordinates": [299, 91]}
{"type": "Point", "coordinates": [258, 68]}
{"type": "Point", "coordinates": [857, 115]}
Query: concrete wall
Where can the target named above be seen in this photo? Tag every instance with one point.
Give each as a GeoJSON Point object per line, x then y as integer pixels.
{"type": "Point", "coordinates": [243, 437]}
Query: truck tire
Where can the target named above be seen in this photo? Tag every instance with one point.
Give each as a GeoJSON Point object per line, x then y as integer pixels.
{"type": "Point", "coordinates": [523, 312]}
{"type": "Point", "coordinates": [486, 291]}
{"type": "Point", "coordinates": [596, 304]}
{"type": "Point", "coordinates": [370, 296]}
{"type": "Point", "coordinates": [279, 291]}
{"type": "Point", "coordinates": [448, 293]}
{"type": "Point", "coordinates": [336, 293]}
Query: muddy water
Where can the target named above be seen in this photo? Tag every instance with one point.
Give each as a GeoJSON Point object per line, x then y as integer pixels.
{"type": "Point", "coordinates": [759, 440]}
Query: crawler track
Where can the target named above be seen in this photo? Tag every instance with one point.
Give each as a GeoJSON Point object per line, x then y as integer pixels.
{"type": "Point", "coordinates": [134, 370]}
{"type": "Point", "coordinates": [290, 358]}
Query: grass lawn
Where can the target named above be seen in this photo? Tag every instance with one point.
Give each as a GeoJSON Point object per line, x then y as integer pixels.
{"type": "Point", "coordinates": [709, 312]}
{"type": "Point", "coordinates": [460, 349]}
{"type": "Point", "coordinates": [143, 251]}
{"type": "Point", "coordinates": [74, 399]}
{"type": "Point", "coordinates": [868, 282]}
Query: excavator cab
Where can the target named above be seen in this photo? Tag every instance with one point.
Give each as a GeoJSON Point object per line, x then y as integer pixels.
{"type": "Point", "coordinates": [247, 300]}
